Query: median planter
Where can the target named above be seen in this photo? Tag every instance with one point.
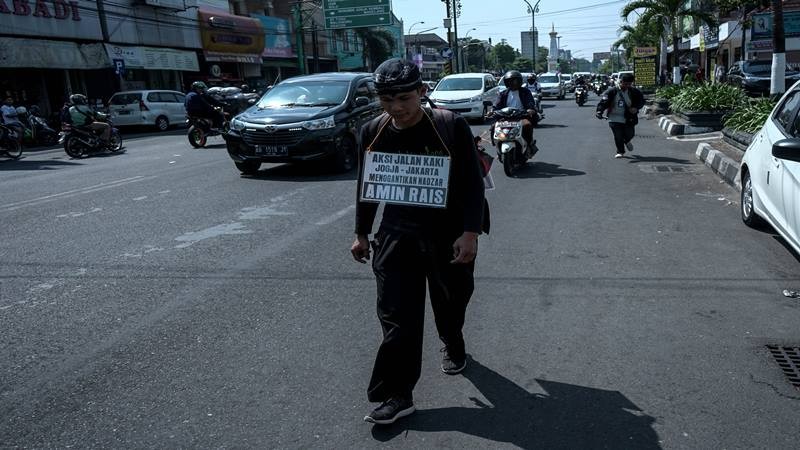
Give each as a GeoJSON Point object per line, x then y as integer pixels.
{"type": "Point", "coordinates": [705, 119]}
{"type": "Point", "coordinates": [739, 139]}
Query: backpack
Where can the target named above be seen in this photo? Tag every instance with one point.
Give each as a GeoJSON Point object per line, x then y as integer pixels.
{"type": "Point", "coordinates": [445, 126]}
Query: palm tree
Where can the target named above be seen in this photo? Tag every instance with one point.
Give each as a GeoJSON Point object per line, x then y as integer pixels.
{"type": "Point", "coordinates": [378, 46]}
{"type": "Point", "coordinates": [670, 13]}
{"type": "Point", "coordinates": [643, 34]}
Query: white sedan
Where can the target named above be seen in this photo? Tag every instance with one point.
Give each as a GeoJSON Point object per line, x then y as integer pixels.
{"type": "Point", "coordinates": [770, 171]}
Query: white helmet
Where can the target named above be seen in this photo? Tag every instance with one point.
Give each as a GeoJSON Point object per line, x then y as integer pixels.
{"type": "Point", "coordinates": [21, 111]}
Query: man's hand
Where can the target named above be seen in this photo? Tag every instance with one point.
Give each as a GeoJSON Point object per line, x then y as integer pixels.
{"type": "Point", "coordinates": [360, 248]}
{"type": "Point", "coordinates": [633, 110]}
{"type": "Point", "coordinates": [465, 248]}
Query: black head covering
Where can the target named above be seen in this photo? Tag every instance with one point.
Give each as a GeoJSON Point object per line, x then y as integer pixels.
{"type": "Point", "coordinates": [397, 75]}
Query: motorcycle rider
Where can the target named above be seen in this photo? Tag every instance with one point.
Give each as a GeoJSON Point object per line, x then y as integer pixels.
{"type": "Point", "coordinates": [82, 115]}
{"type": "Point", "coordinates": [200, 104]}
{"type": "Point", "coordinates": [11, 118]}
{"type": "Point", "coordinates": [518, 98]}
{"type": "Point", "coordinates": [533, 84]}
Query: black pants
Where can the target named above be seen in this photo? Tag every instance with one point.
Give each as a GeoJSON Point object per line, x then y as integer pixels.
{"type": "Point", "coordinates": [402, 263]}
{"type": "Point", "coordinates": [623, 133]}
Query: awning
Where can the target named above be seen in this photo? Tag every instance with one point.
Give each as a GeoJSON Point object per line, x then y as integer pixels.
{"type": "Point", "coordinates": [249, 58]}
{"type": "Point", "coordinates": [44, 54]}
{"type": "Point", "coordinates": [152, 58]}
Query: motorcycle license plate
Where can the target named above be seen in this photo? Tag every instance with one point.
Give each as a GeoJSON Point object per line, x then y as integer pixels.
{"type": "Point", "coordinates": [272, 150]}
{"type": "Point", "coordinates": [506, 124]}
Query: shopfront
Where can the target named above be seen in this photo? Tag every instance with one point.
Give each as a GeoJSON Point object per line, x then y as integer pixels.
{"type": "Point", "coordinates": [232, 47]}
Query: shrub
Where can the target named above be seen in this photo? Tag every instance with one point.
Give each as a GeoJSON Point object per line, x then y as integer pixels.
{"type": "Point", "coordinates": [749, 117]}
{"type": "Point", "coordinates": [668, 92]}
{"type": "Point", "coordinates": [708, 97]}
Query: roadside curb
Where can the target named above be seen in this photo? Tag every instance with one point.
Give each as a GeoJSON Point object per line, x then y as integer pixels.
{"type": "Point", "coordinates": [721, 164]}
{"type": "Point", "coordinates": [673, 128]}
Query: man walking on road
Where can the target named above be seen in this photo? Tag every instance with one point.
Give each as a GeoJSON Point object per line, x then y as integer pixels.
{"type": "Point", "coordinates": [622, 106]}
{"type": "Point", "coordinates": [417, 243]}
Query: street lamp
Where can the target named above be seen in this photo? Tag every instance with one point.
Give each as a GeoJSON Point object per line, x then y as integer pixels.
{"type": "Point", "coordinates": [409, 33]}
{"type": "Point", "coordinates": [533, 10]}
{"type": "Point", "coordinates": [461, 48]}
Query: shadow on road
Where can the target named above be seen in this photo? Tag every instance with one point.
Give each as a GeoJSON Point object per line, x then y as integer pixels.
{"type": "Point", "coordinates": [568, 416]}
{"type": "Point", "coordinates": [634, 159]}
{"type": "Point", "coordinates": [301, 173]}
{"type": "Point", "coordinates": [23, 164]}
{"type": "Point", "coordinates": [550, 125]}
{"type": "Point", "coordinates": [545, 170]}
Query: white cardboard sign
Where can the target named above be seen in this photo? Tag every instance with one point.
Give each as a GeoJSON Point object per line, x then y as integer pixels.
{"type": "Point", "coordinates": [405, 179]}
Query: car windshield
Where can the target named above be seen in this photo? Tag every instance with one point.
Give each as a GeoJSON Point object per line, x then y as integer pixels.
{"type": "Point", "coordinates": [460, 84]}
{"type": "Point", "coordinates": [566, 77]}
{"type": "Point", "coordinates": [548, 79]}
{"type": "Point", "coordinates": [125, 99]}
{"type": "Point", "coordinates": [306, 93]}
{"type": "Point", "coordinates": [758, 67]}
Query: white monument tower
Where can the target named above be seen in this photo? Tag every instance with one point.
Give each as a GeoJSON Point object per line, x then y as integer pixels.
{"type": "Point", "coordinates": [552, 56]}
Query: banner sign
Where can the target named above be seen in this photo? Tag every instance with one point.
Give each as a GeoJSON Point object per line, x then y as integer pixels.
{"type": "Point", "coordinates": [644, 70]}
{"type": "Point", "coordinates": [277, 40]}
{"type": "Point", "coordinates": [403, 179]}
{"type": "Point", "coordinates": [44, 54]}
{"type": "Point", "coordinates": [762, 25]}
{"type": "Point", "coordinates": [152, 58]}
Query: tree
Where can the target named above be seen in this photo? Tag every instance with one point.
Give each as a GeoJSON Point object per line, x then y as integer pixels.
{"type": "Point", "coordinates": [671, 13]}
{"type": "Point", "coordinates": [505, 54]}
{"type": "Point", "coordinates": [378, 46]}
{"type": "Point", "coordinates": [522, 64]}
{"type": "Point", "coordinates": [643, 34]}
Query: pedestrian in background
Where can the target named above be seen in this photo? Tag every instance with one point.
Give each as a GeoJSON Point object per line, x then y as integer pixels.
{"type": "Point", "coordinates": [622, 106]}
{"type": "Point", "coordinates": [415, 244]}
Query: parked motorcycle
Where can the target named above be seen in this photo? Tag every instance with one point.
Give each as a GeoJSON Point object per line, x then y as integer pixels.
{"type": "Point", "coordinates": [80, 141]}
{"type": "Point", "coordinates": [201, 128]}
{"type": "Point", "coordinates": [38, 131]}
{"type": "Point", "coordinates": [512, 150]}
{"type": "Point", "coordinates": [9, 142]}
{"type": "Point", "coordinates": [581, 95]}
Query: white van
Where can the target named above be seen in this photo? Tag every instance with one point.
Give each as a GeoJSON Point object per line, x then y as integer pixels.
{"type": "Point", "coordinates": [468, 94]}
{"type": "Point", "coordinates": [160, 108]}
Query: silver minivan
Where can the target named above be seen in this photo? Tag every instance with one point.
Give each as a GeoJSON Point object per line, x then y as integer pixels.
{"type": "Point", "coordinates": [160, 108]}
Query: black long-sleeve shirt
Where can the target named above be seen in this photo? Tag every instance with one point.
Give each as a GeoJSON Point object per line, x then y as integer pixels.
{"type": "Point", "coordinates": [465, 202]}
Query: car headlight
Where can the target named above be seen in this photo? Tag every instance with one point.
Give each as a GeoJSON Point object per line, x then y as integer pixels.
{"type": "Point", "coordinates": [237, 125]}
{"type": "Point", "coordinates": [319, 124]}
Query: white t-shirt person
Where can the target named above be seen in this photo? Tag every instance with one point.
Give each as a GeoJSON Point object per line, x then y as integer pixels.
{"type": "Point", "coordinates": [513, 100]}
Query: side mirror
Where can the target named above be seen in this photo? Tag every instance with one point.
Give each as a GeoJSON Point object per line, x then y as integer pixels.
{"type": "Point", "coordinates": [361, 101]}
{"type": "Point", "coordinates": [788, 149]}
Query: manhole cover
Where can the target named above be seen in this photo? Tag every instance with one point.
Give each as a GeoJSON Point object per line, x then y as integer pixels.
{"type": "Point", "coordinates": [788, 359]}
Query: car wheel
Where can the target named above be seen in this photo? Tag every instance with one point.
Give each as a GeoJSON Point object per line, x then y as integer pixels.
{"type": "Point", "coordinates": [162, 123]}
{"type": "Point", "coordinates": [749, 216]}
{"type": "Point", "coordinates": [248, 167]}
{"type": "Point", "coordinates": [346, 157]}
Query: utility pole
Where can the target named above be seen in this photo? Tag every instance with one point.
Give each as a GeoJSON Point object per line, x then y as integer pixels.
{"type": "Point", "coordinates": [456, 10]}
{"type": "Point", "coordinates": [297, 12]}
{"type": "Point", "coordinates": [314, 45]}
{"type": "Point", "coordinates": [777, 85]}
{"type": "Point", "coordinates": [447, 22]}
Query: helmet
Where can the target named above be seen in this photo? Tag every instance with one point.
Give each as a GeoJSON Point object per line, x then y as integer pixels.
{"type": "Point", "coordinates": [531, 77]}
{"type": "Point", "coordinates": [199, 85]}
{"type": "Point", "coordinates": [510, 77]}
{"type": "Point", "coordinates": [397, 75]}
{"type": "Point", "coordinates": [77, 99]}
{"type": "Point", "coordinates": [21, 111]}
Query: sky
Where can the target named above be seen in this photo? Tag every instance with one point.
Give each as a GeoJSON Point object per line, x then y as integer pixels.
{"type": "Point", "coordinates": [585, 26]}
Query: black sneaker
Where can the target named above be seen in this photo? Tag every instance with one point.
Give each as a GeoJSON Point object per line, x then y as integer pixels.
{"type": "Point", "coordinates": [390, 411]}
{"type": "Point", "coordinates": [453, 363]}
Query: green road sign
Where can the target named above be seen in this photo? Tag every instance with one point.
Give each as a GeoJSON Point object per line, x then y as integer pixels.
{"type": "Point", "coordinates": [356, 13]}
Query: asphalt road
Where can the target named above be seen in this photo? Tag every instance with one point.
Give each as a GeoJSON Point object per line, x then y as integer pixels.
{"type": "Point", "coordinates": [158, 299]}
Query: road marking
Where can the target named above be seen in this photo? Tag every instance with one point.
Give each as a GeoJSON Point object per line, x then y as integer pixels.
{"type": "Point", "coordinates": [335, 216]}
{"type": "Point", "coordinates": [74, 192]}
{"type": "Point", "coordinates": [140, 198]}
{"type": "Point", "coordinates": [193, 237]}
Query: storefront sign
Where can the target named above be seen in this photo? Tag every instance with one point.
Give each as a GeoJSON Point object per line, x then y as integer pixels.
{"type": "Point", "coordinates": [151, 58]}
{"type": "Point", "coordinates": [764, 45]}
{"type": "Point", "coordinates": [43, 54]}
{"type": "Point", "coordinates": [404, 179]}
{"type": "Point", "coordinates": [55, 18]}
{"type": "Point", "coordinates": [277, 40]}
{"type": "Point", "coordinates": [232, 57]}
{"type": "Point", "coordinates": [222, 32]}
{"type": "Point", "coordinates": [710, 36]}
{"type": "Point", "coordinates": [762, 25]}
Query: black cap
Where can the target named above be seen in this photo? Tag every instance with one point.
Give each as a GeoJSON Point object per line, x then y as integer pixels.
{"type": "Point", "coordinates": [628, 77]}
{"type": "Point", "coordinates": [397, 75]}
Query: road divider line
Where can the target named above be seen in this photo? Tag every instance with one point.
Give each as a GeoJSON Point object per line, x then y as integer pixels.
{"type": "Point", "coordinates": [74, 192]}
